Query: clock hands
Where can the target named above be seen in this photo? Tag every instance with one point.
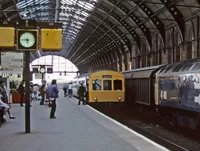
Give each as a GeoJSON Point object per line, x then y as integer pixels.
{"type": "Point", "coordinates": [27, 40]}
{"type": "Point", "coordinates": [24, 39]}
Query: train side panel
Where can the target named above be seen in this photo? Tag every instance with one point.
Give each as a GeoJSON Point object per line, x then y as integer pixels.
{"type": "Point", "coordinates": [179, 86]}
{"type": "Point", "coordinates": [156, 98]}
{"type": "Point", "coordinates": [76, 83]}
{"type": "Point", "coordinates": [141, 89]}
{"type": "Point", "coordinates": [129, 91]}
{"type": "Point", "coordinates": [180, 91]}
{"type": "Point", "coordinates": [103, 96]}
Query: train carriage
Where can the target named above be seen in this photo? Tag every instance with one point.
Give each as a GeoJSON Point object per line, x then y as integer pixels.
{"type": "Point", "coordinates": [106, 86]}
{"type": "Point", "coordinates": [171, 91]}
{"type": "Point", "coordinates": [140, 85]}
{"type": "Point", "coordinates": [179, 86]}
{"type": "Point", "coordinates": [179, 93]}
{"type": "Point", "coordinates": [102, 86]}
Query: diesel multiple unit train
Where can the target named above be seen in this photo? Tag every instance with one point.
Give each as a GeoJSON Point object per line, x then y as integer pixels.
{"type": "Point", "coordinates": [102, 86]}
{"type": "Point", "coordinates": [172, 91]}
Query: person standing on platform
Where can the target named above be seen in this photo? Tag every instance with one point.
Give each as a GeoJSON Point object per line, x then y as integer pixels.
{"type": "Point", "coordinates": [21, 91]}
{"type": "Point", "coordinates": [52, 92]}
{"type": "Point", "coordinates": [70, 90]}
{"type": "Point", "coordinates": [86, 94]}
{"type": "Point", "coordinates": [81, 92]}
{"type": "Point", "coordinates": [65, 89]}
{"type": "Point", "coordinates": [35, 92]}
{"type": "Point", "coordinates": [42, 90]}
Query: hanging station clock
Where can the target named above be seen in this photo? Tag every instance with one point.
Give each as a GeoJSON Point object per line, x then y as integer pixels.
{"type": "Point", "coordinates": [27, 39]}
{"type": "Point", "coordinates": [42, 70]}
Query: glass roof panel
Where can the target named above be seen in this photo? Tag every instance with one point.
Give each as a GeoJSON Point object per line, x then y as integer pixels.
{"type": "Point", "coordinates": [35, 9]}
{"type": "Point", "coordinates": [72, 13]}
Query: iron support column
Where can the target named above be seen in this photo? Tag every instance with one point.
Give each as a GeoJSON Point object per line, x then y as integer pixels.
{"type": "Point", "coordinates": [26, 75]}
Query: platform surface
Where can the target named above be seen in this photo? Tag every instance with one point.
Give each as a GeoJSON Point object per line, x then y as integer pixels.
{"type": "Point", "coordinates": [76, 128]}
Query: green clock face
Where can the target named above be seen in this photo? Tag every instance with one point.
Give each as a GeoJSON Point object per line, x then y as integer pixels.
{"type": "Point", "coordinates": [27, 39]}
{"type": "Point", "coordinates": [42, 70]}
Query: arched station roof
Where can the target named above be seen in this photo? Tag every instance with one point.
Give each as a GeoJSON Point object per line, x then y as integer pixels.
{"type": "Point", "coordinates": [92, 28]}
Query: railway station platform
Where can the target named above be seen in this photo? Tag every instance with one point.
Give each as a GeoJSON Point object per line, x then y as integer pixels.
{"type": "Point", "coordinates": [76, 128]}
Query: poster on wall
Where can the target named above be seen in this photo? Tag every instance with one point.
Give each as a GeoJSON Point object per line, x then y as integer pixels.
{"type": "Point", "coordinates": [38, 75]}
{"type": "Point", "coordinates": [11, 62]}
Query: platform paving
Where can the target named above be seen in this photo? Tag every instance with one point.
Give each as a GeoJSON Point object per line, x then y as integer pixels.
{"type": "Point", "coordinates": [76, 128]}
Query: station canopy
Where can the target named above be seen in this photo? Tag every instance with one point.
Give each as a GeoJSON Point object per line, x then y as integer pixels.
{"type": "Point", "coordinates": [92, 28]}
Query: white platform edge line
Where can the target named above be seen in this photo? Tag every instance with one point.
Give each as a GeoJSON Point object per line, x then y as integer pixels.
{"type": "Point", "coordinates": [130, 130]}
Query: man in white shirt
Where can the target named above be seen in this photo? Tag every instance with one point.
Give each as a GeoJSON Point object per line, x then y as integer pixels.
{"type": "Point", "coordinates": [70, 90]}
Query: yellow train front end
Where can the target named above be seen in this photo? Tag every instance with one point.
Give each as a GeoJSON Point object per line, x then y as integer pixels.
{"type": "Point", "coordinates": [106, 86]}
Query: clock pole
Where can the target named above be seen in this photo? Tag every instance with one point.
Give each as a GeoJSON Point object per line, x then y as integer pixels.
{"type": "Point", "coordinates": [42, 77]}
{"type": "Point", "coordinates": [26, 75]}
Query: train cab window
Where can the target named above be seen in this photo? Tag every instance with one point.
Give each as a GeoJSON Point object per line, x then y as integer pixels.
{"type": "Point", "coordinates": [162, 70]}
{"type": "Point", "coordinates": [177, 68]}
{"type": "Point", "coordinates": [196, 67]}
{"type": "Point", "coordinates": [117, 84]}
{"type": "Point", "coordinates": [96, 84]}
{"type": "Point", "coordinates": [169, 69]}
{"type": "Point", "coordinates": [186, 67]}
{"type": "Point", "coordinates": [107, 85]}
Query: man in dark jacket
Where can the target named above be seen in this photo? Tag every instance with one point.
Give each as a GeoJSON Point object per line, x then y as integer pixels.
{"type": "Point", "coordinates": [81, 92]}
{"type": "Point", "coordinates": [52, 92]}
{"type": "Point", "coordinates": [21, 91]}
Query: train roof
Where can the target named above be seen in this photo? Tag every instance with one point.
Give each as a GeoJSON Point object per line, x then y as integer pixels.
{"type": "Point", "coordinates": [181, 67]}
{"type": "Point", "coordinates": [145, 72]}
{"type": "Point", "coordinates": [87, 74]}
{"type": "Point", "coordinates": [144, 68]}
{"type": "Point", "coordinates": [82, 75]}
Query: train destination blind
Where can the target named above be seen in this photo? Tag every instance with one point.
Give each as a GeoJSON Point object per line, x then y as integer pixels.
{"type": "Point", "coordinates": [107, 76]}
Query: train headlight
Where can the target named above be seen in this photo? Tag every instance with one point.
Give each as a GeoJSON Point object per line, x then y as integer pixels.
{"type": "Point", "coordinates": [120, 99]}
{"type": "Point", "coordinates": [95, 99]}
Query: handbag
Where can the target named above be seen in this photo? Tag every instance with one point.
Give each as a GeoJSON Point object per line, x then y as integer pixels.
{"type": "Point", "coordinates": [42, 91]}
{"type": "Point", "coordinates": [50, 104]}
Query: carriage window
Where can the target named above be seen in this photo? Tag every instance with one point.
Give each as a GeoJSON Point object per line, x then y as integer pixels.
{"type": "Point", "coordinates": [96, 84]}
{"type": "Point", "coordinates": [177, 68]}
{"type": "Point", "coordinates": [166, 69]}
{"type": "Point", "coordinates": [169, 69]}
{"type": "Point", "coordinates": [186, 67]}
{"type": "Point", "coordinates": [107, 85]}
{"type": "Point", "coordinates": [162, 70]}
{"type": "Point", "coordinates": [117, 84]}
{"type": "Point", "coordinates": [196, 67]}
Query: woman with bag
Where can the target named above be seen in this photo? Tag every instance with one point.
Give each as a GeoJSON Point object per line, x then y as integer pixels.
{"type": "Point", "coordinates": [42, 91]}
{"type": "Point", "coordinates": [52, 92]}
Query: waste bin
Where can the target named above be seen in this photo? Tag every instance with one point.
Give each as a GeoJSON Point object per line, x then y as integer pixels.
{"type": "Point", "coordinates": [16, 97]}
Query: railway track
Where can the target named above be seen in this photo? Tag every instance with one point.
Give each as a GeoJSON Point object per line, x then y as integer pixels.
{"type": "Point", "coordinates": [170, 139]}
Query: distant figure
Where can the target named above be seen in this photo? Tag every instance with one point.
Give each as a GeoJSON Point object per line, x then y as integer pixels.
{"type": "Point", "coordinates": [70, 90]}
{"type": "Point", "coordinates": [65, 88]}
{"type": "Point", "coordinates": [42, 90]}
{"type": "Point", "coordinates": [86, 94]}
{"type": "Point", "coordinates": [52, 92]}
{"type": "Point", "coordinates": [81, 92]}
{"type": "Point", "coordinates": [35, 92]}
{"type": "Point", "coordinates": [21, 91]}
